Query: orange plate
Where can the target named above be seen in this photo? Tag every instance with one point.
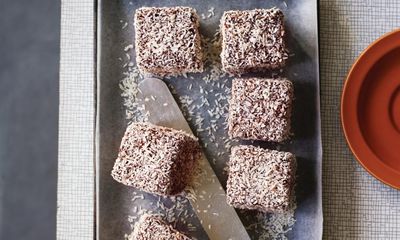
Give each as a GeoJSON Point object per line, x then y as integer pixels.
{"type": "Point", "coordinates": [370, 109]}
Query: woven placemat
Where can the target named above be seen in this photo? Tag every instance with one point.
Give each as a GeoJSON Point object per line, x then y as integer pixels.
{"type": "Point", "coordinates": [356, 206]}
{"type": "Point", "coordinates": [75, 204]}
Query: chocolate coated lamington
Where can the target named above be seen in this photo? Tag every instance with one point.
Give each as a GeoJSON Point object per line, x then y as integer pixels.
{"type": "Point", "coordinates": [253, 40]}
{"type": "Point", "coordinates": [167, 40]}
{"type": "Point", "coordinates": [260, 109]}
{"type": "Point", "coordinates": [152, 227]}
{"type": "Point", "coordinates": [156, 159]}
{"type": "Point", "coordinates": [260, 179]}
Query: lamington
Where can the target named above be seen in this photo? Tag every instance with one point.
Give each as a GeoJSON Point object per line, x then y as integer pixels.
{"type": "Point", "coordinates": [156, 159]}
{"type": "Point", "coordinates": [167, 40]}
{"type": "Point", "coordinates": [152, 227]}
{"type": "Point", "coordinates": [260, 179]}
{"type": "Point", "coordinates": [260, 109]}
{"type": "Point", "coordinates": [253, 40]}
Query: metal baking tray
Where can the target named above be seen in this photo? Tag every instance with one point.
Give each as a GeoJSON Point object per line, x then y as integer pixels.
{"type": "Point", "coordinates": [117, 205]}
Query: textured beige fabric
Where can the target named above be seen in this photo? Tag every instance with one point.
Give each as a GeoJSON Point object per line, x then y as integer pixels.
{"type": "Point", "coordinates": [75, 216]}
{"type": "Point", "coordinates": [356, 206]}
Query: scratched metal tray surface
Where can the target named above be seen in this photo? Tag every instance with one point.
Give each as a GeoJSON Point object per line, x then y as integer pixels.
{"type": "Point", "coordinates": [118, 206]}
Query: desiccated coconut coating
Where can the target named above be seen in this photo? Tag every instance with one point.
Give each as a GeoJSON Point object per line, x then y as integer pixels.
{"type": "Point", "coordinates": [152, 227]}
{"type": "Point", "coordinates": [260, 179]}
{"type": "Point", "coordinates": [156, 159]}
{"type": "Point", "coordinates": [167, 40]}
{"type": "Point", "coordinates": [260, 109]}
{"type": "Point", "coordinates": [253, 40]}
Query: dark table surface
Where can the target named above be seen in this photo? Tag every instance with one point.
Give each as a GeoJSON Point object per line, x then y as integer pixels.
{"type": "Point", "coordinates": [29, 62]}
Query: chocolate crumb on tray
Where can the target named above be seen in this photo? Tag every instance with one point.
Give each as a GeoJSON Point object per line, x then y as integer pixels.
{"type": "Point", "coordinates": [253, 40]}
{"type": "Point", "coordinates": [167, 40]}
{"type": "Point", "coordinates": [260, 179]}
{"type": "Point", "coordinates": [152, 227]}
{"type": "Point", "coordinates": [260, 109]}
{"type": "Point", "coordinates": [156, 159]}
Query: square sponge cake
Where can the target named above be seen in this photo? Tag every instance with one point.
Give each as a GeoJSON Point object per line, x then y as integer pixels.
{"type": "Point", "coordinates": [156, 159]}
{"type": "Point", "coordinates": [167, 40]}
{"type": "Point", "coordinates": [253, 40]}
{"type": "Point", "coordinates": [260, 179]}
{"type": "Point", "coordinates": [152, 227]}
{"type": "Point", "coordinates": [260, 109]}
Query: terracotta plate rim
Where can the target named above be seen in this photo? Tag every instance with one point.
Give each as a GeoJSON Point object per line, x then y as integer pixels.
{"type": "Point", "coordinates": [350, 125]}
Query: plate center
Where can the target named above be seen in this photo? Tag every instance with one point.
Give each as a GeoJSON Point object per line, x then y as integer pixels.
{"type": "Point", "coordinates": [395, 109]}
